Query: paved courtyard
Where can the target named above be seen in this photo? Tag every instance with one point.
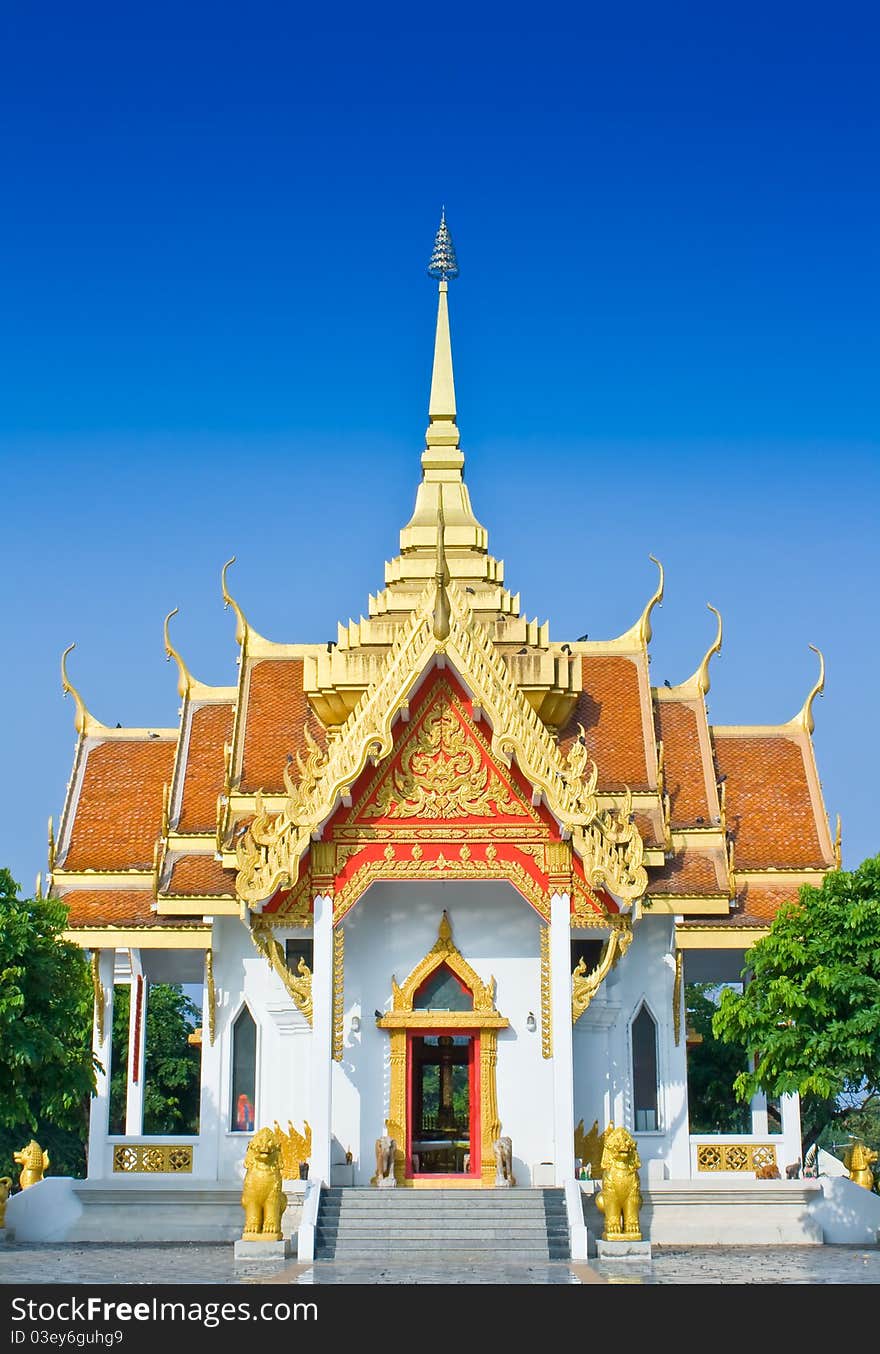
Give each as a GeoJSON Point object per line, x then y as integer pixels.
{"type": "Point", "coordinates": [202, 1263]}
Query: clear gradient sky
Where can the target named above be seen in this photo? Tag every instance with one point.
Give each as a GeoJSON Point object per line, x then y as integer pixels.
{"type": "Point", "coordinates": [216, 331]}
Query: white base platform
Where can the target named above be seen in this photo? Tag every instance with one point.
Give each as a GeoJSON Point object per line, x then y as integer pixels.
{"type": "Point", "coordinates": [142, 1209]}
{"type": "Point", "coordinates": [261, 1252]}
{"type": "Point", "coordinates": [731, 1213]}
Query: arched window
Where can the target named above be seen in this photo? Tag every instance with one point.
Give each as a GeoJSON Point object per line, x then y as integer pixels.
{"type": "Point", "coordinates": [644, 1062]}
{"type": "Point", "coordinates": [244, 1072]}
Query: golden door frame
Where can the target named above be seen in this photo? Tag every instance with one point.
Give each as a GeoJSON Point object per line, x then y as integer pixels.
{"type": "Point", "coordinates": [484, 1019]}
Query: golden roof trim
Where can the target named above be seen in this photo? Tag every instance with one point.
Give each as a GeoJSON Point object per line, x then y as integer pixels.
{"type": "Point", "coordinates": [84, 722]}
{"type": "Point", "coordinates": [698, 684]}
{"type": "Point", "coordinates": [638, 636]}
{"type": "Point", "coordinates": [804, 717]}
{"type": "Point", "coordinates": [141, 937]}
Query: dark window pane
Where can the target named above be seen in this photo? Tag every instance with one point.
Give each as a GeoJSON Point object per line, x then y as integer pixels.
{"type": "Point", "coordinates": [244, 1072]}
{"type": "Point", "coordinates": [644, 1054]}
{"type": "Point", "coordinates": [443, 992]}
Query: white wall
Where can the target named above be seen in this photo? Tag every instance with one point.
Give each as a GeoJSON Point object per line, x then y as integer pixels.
{"type": "Point", "coordinates": [603, 1054]}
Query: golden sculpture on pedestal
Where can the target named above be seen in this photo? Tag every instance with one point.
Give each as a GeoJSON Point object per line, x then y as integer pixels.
{"type": "Point", "coordinates": [34, 1162]}
{"type": "Point", "coordinates": [858, 1161]}
{"type": "Point", "coordinates": [386, 1148]}
{"type": "Point", "coordinates": [5, 1191]}
{"type": "Point", "coordinates": [621, 1195]}
{"type": "Point", "coordinates": [262, 1195]}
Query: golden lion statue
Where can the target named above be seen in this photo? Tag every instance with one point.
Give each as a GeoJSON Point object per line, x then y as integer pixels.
{"type": "Point", "coordinates": [262, 1196]}
{"type": "Point", "coordinates": [858, 1160]}
{"type": "Point", "coordinates": [5, 1191]}
{"type": "Point", "coordinates": [33, 1162]}
{"type": "Point", "coordinates": [621, 1195]}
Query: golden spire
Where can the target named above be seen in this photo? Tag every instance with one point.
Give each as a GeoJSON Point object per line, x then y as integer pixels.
{"type": "Point", "coordinates": [442, 608]}
{"type": "Point", "coordinates": [443, 459]}
{"type": "Point", "coordinates": [804, 717]}
{"type": "Point", "coordinates": [241, 625]}
{"type": "Point", "coordinates": [184, 680]}
{"type": "Point", "coordinates": [442, 429]}
{"type": "Point", "coordinates": [83, 722]}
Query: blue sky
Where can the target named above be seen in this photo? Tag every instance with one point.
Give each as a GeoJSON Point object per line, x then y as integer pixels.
{"type": "Point", "coordinates": [216, 330]}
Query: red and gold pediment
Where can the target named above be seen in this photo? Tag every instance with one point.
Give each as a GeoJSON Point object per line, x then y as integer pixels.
{"type": "Point", "coordinates": [442, 770]}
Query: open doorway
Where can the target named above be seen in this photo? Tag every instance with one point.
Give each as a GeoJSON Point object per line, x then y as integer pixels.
{"type": "Point", "coordinates": [443, 1104]}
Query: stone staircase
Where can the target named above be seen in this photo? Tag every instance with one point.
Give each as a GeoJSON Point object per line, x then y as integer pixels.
{"type": "Point", "coordinates": [455, 1224]}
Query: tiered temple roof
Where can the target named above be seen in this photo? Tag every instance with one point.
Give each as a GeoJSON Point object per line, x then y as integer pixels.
{"type": "Point", "coordinates": [731, 820]}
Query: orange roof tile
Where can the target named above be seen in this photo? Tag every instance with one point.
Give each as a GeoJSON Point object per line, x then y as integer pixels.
{"type": "Point", "coordinates": [685, 779]}
{"type": "Point", "coordinates": [610, 709]}
{"type": "Point", "coordinates": [759, 902]}
{"type": "Point", "coordinates": [118, 815]}
{"type": "Point", "coordinates": [276, 714]}
{"type": "Point", "coordinates": [769, 808]}
{"type": "Point", "coordinates": [205, 771]}
{"type": "Point", "coordinates": [200, 876]}
{"type": "Point", "coordinates": [690, 872]}
{"type": "Point", "coordinates": [113, 907]}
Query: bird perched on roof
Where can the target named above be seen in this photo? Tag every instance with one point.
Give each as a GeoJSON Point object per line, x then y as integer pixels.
{"type": "Point", "coordinates": [522, 650]}
{"type": "Point", "coordinates": [666, 682]}
{"type": "Point", "coordinates": [566, 648]}
{"type": "Point", "coordinates": [581, 638]}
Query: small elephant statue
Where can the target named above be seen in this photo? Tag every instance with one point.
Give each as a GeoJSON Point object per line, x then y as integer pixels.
{"type": "Point", "coordinates": [34, 1162]}
{"type": "Point", "coordinates": [262, 1196]}
{"type": "Point", "coordinates": [386, 1147]}
{"type": "Point", "coordinates": [621, 1195]}
{"type": "Point", "coordinates": [502, 1149]}
{"type": "Point", "coordinates": [5, 1191]}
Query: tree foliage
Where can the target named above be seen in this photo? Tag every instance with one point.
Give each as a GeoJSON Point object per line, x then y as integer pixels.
{"type": "Point", "coordinates": [47, 1071]}
{"type": "Point", "coordinates": [809, 1016]}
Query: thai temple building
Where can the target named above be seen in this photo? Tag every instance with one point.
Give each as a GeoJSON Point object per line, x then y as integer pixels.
{"type": "Point", "coordinates": [441, 881]}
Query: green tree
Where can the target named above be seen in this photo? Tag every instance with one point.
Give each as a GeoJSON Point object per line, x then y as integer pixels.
{"type": "Point", "coordinates": [712, 1068]}
{"type": "Point", "coordinates": [47, 1071]}
{"type": "Point", "coordinates": [808, 1018]}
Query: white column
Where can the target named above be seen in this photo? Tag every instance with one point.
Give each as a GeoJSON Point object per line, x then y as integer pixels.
{"type": "Point", "coordinates": [99, 1105]}
{"type": "Point", "coordinates": [137, 1028]}
{"type": "Point", "coordinates": [563, 1069]}
{"type": "Point", "coordinates": [791, 1131]}
{"type": "Point", "coordinates": [322, 1039]}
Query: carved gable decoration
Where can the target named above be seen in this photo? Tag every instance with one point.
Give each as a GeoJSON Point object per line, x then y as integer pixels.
{"type": "Point", "coordinates": [442, 770]}
{"type": "Point", "coordinates": [443, 953]}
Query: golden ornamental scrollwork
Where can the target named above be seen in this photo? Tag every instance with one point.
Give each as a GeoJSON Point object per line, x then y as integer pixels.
{"type": "Point", "coordinates": [212, 994]}
{"type": "Point", "coordinates": [298, 985]}
{"type": "Point", "coordinates": [295, 1148]}
{"type": "Point", "coordinates": [338, 991]}
{"type": "Point", "coordinates": [442, 775]}
{"type": "Point", "coordinates": [584, 985]}
{"type": "Point", "coordinates": [546, 1007]}
{"type": "Point", "coordinates": [99, 994]}
{"type": "Point", "coordinates": [676, 997]}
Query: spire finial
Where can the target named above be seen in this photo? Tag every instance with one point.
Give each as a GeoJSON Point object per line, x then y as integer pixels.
{"type": "Point", "coordinates": [443, 263]}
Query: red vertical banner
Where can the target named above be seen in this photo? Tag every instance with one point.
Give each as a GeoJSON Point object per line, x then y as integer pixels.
{"type": "Point", "coordinates": [138, 1014]}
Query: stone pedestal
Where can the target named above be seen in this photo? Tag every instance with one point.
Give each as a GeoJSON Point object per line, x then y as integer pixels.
{"type": "Point", "coordinates": [260, 1252]}
{"type": "Point", "coordinates": [623, 1250]}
